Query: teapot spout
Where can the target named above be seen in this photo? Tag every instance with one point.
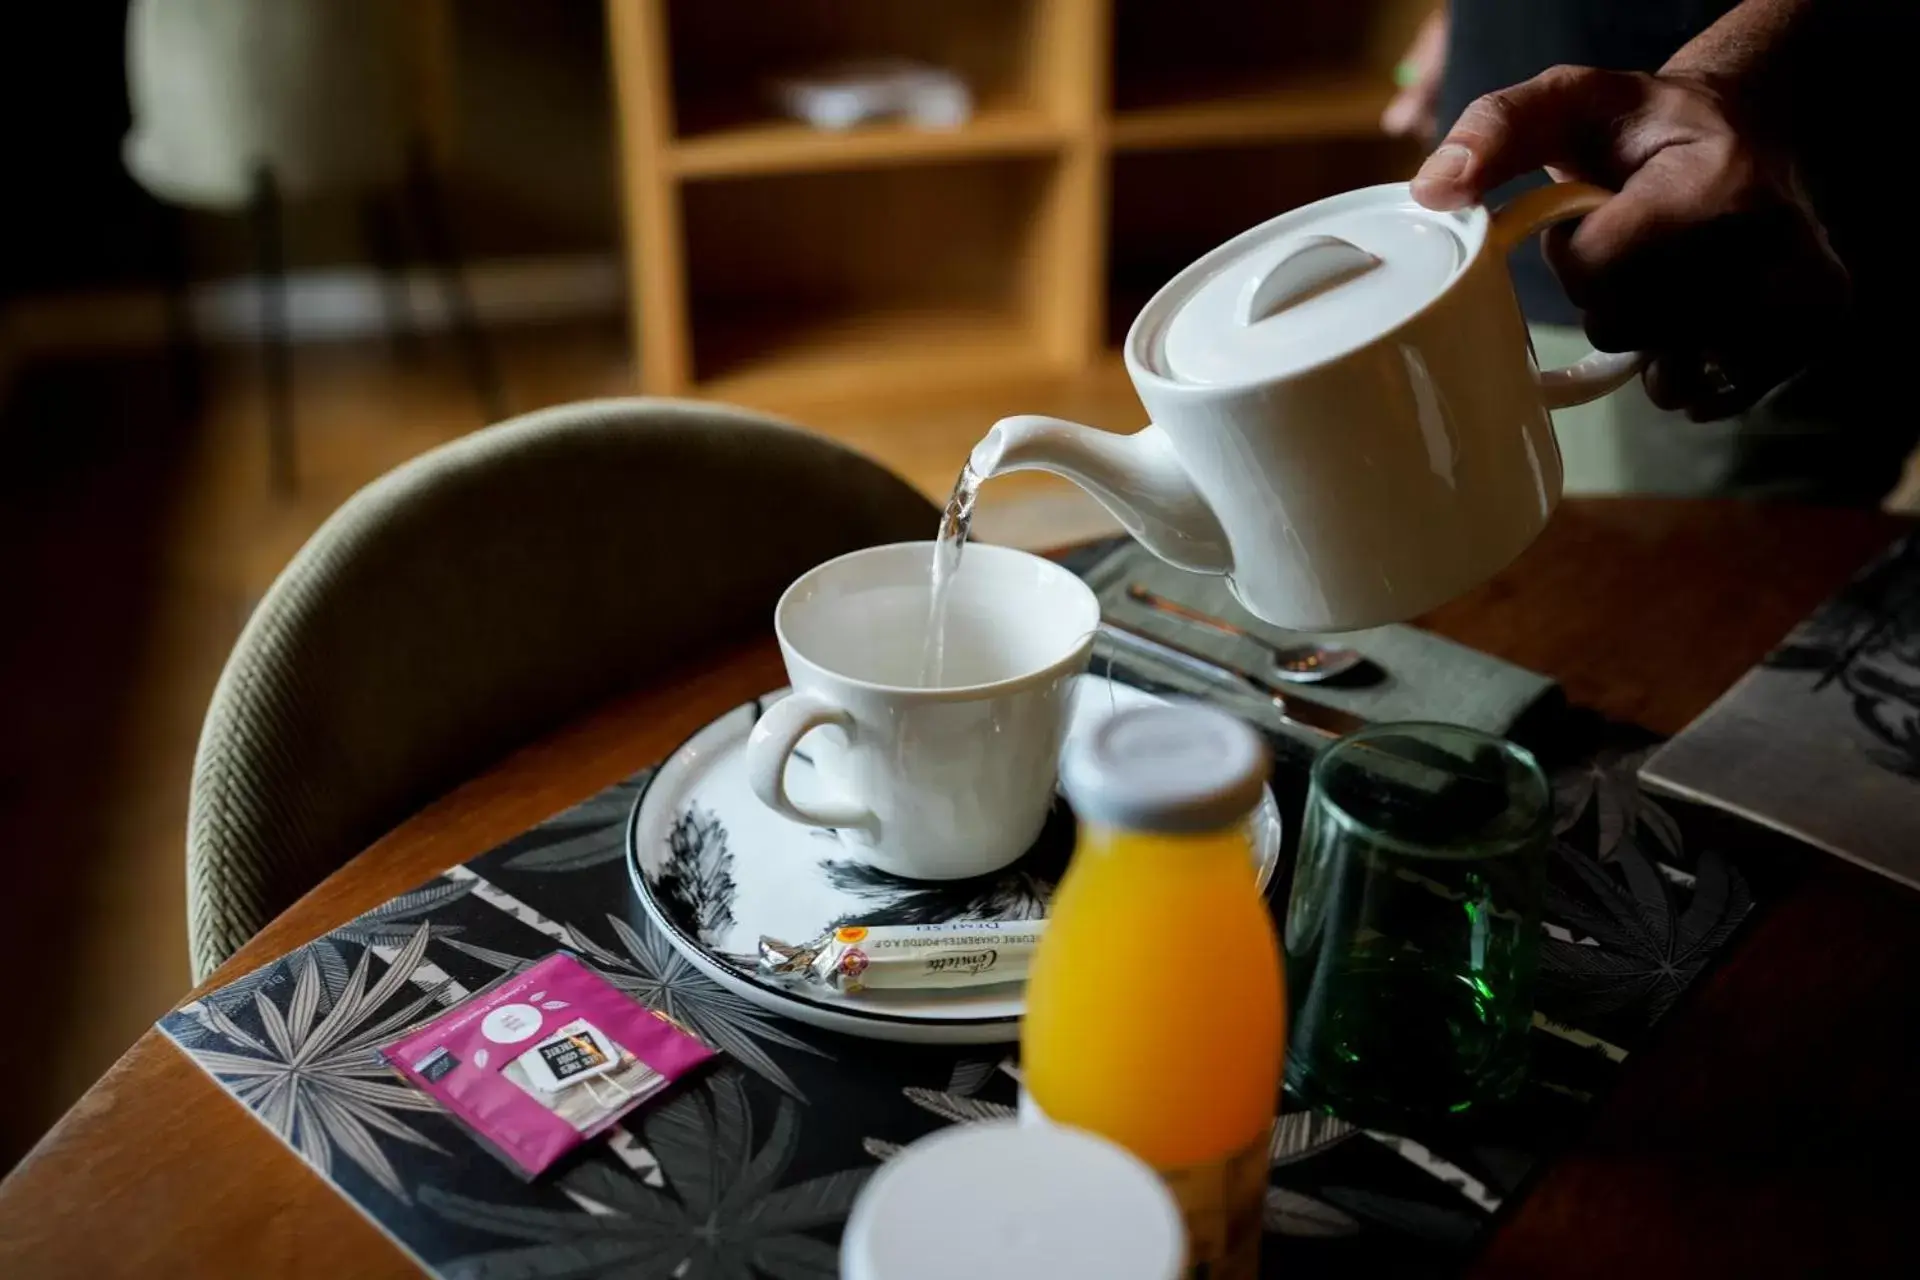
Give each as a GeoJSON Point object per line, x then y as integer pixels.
{"type": "Point", "coordinates": [1138, 478]}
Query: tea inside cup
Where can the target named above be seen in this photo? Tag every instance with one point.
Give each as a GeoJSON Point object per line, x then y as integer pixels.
{"type": "Point", "coordinates": [865, 617]}
{"type": "Point", "coordinates": [927, 781]}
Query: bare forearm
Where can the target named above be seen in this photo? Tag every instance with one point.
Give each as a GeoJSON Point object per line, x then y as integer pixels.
{"type": "Point", "coordinates": [1750, 40]}
{"type": "Point", "coordinates": [1763, 55]}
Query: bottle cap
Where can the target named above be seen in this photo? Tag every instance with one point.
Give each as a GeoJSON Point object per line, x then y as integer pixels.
{"type": "Point", "coordinates": [1177, 766]}
{"type": "Point", "coordinates": [1013, 1202]}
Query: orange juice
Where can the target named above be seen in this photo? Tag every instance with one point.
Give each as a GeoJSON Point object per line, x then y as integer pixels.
{"type": "Point", "coordinates": [1155, 1010]}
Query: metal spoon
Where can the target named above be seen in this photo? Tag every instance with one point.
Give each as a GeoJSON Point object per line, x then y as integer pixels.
{"type": "Point", "coordinates": [1294, 709]}
{"type": "Point", "coordinates": [1294, 663]}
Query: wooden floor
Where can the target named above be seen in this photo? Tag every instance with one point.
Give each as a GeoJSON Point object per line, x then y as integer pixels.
{"type": "Point", "coordinates": [139, 532]}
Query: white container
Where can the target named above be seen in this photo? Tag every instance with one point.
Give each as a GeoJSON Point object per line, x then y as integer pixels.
{"type": "Point", "coordinates": [853, 94]}
{"type": "Point", "coordinates": [940, 783]}
{"type": "Point", "coordinates": [1010, 1202]}
{"type": "Point", "coordinates": [1348, 421]}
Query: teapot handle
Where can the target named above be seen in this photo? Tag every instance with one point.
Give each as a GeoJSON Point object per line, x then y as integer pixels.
{"type": "Point", "coordinates": [1597, 372]}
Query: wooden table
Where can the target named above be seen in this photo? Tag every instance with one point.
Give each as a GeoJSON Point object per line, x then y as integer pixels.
{"type": "Point", "coordinates": [1770, 1128]}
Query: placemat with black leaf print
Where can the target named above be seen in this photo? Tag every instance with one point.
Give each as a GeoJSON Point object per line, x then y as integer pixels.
{"type": "Point", "coordinates": [750, 1170]}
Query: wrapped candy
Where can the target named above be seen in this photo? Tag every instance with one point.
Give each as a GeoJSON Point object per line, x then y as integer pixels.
{"type": "Point", "coordinates": [919, 957]}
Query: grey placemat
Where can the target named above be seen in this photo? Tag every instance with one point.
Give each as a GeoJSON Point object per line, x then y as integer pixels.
{"type": "Point", "coordinates": [1822, 739]}
{"type": "Point", "coordinates": [1416, 675]}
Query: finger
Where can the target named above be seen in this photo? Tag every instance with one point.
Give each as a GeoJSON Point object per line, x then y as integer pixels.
{"type": "Point", "coordinates": [1411, 113]}
{"type": "Point", "coordinates": [1675, 379]}
{"type": "Point", "coordinates": [1553, 247]}
{"type": "Point", "coordinates": [1408, 115]}
{"type": "Point", "coordinates": [1659, 205]}
{"type": "Point", "coordinates": [1726, 391]}
{"type": "Point", "coordinates": [1642, 319]}
{"type": "Point", "coordinates": [1706, 388]}
{"type": "Point", "coordinates": [1755, 284]}
{"type": "Point", "coordinates": [1654, 276]}
{"type": "Point", "coordinates": [1429, 47]}
{"type": "Point", "coordinates": [1551, 119]}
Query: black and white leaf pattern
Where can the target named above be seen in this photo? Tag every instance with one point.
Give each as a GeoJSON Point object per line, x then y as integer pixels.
{"type": "Point", "coordinates": [1866, 641]}
{"type": "Point", "coordinates": [1417, 1218]}
{"type": "Point", "coordinates": [393, 922]}
{"type": "Point", "coordinates": [1019, 891]}
{"type": "Point", "coordinates": [1795, 656]}
{"type": "Point", "coordinates": [970, 1075]}
{"type": "Point", "coordinates": [1300, 1135]}
{"type": "Point", "coordinates": [390, 924]}
{"type": "Point", "coordinates": [1014, 895]}
{"type": "Point", "coordinates": [508, 963]}
{"type": "Point", "coordinates": [694, 886]}
{"type": "Point", "coordinates": [588, 835]}
{"type": "Point", "coordinates": [706, 1185]}
{"type": "Point", "coordinates": [1607, 788]}
{"type": "Point", "coordinates": [1289, 1213]}
{"type": "Point", "coordinates": [955, 1108]}
{"type": "Point", "coordinates": [322, 952]}
{"type": "Point", "coordinates": [722, 1214]}
{"type": "Point", "coordinates": [897, 900]}
{"type": "Point", "coordinates": [880, 1148]}
{"type": "Point", "coordinates": [1296, 1137]}
{"type": "Point", "coordinates": [334, 971]}
{"type": "Point", "coordinates": [955, 1104]}
{"type": "Point", "coordinates": [1507, 1166]}
{"type": "Point", "coordinates": [662, 978]}
{"type": "Point", "coordinates": [316, 1077]}
{"type": "Point", "coordinates": [1648, 950]}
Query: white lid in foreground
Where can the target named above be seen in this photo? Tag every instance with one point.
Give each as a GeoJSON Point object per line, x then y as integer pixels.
{"type": "Point", "coordinates": [1005, 1201]}
{"type": "Point", "coordinates": [1178, 766]}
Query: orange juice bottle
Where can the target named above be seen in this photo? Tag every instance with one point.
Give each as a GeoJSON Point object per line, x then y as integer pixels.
{"type": "Point", "coordinates": [1155, 1010]}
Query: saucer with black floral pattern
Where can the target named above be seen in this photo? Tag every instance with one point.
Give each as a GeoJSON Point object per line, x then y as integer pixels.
{"type": "Point", "coordinates": [717, 871]}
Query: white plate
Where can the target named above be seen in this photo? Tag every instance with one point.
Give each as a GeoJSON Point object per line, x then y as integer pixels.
{"type": "Point", "coordinates": [716, 870]}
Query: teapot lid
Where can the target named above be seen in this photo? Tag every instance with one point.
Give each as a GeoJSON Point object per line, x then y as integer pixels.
{"type": "Point", "coordinates": [1311, 285]}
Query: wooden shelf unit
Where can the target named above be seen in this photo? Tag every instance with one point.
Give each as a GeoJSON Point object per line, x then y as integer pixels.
{"type": "Point", "coordinates": [1335, 105]}
{"type": "Point", "coordinates": [786, 146]}
{"type": "Point", "coordinates": [795, 278]}
{"type": "Point", "coordinates": [767, 257]}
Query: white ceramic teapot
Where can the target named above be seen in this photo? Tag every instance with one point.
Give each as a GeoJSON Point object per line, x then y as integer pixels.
{"type": "Point", "coordinates": [1348, 421]}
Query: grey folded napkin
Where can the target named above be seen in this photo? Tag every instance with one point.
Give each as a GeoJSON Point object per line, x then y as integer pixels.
{"type": "Point", "coordinates": [1415, 674]}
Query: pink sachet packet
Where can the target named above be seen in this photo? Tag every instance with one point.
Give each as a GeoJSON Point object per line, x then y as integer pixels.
{"type": "Point", "coordinates": [542, 1062]}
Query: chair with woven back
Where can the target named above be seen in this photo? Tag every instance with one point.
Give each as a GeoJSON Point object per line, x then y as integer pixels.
{"type": "Point", "coordinates": [479, 595]}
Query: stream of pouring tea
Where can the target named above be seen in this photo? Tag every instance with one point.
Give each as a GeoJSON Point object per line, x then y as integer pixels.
{"type": "Point", "coordinates": [955, 523]}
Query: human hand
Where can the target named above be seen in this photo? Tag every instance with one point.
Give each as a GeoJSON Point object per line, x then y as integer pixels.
{"type": "Point", "coordinates": [1411, 113]}
{"type": "Point", "coordinates": [1709, 258]}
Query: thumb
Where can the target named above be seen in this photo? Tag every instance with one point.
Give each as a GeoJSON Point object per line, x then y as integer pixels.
{"type": "Point", "coordinates": [1548, 120]}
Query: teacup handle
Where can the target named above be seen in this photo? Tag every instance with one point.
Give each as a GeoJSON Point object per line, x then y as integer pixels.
{"type": "Point", "coordinates": [772, 743]}
{"type": "Point", "coordinates": [1597, 372]}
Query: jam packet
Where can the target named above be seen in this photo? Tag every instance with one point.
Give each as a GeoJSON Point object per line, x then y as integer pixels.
{"type": "Point", "coordinates": [540, 1063]}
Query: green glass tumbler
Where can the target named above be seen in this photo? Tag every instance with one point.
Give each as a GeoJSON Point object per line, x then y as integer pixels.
{"type": "Point", "coordinates": [1413, 930]}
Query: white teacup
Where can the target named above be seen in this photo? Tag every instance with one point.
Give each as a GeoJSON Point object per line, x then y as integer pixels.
{"type": "Point", "coordinates": [932, 783]}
